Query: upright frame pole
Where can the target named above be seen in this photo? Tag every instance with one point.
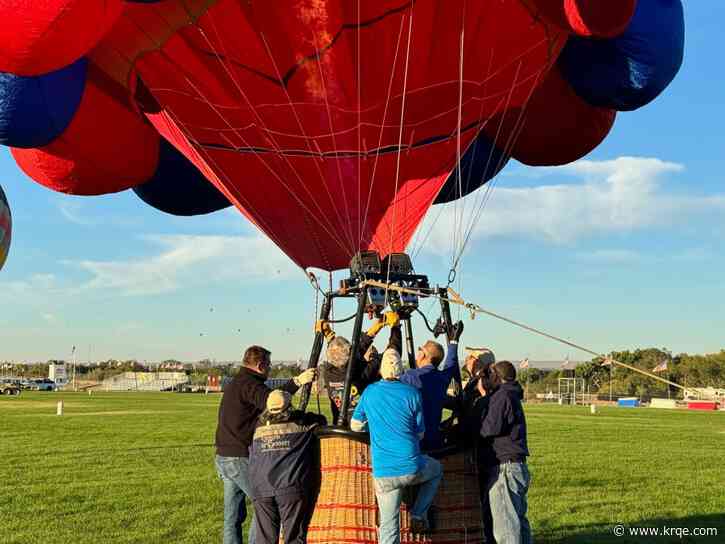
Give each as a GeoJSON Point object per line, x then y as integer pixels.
{"type": "Point", "coordinates": [355, 343]}
{"type": "Point", "coordinates": [316, 350]}
{"type": "Point", "coordinates": [409, 341]}
{"type": "Point", "coordinates": [446, 314]}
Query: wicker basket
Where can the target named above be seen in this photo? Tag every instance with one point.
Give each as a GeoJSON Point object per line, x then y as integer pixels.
{"type": "Point", "coordinates": [346, 511]}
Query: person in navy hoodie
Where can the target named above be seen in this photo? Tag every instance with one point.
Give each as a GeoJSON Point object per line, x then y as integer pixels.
{"type": "Point", "coordinates": [502, 456]}
{"type": "Point", "coordinates": [283, 471]}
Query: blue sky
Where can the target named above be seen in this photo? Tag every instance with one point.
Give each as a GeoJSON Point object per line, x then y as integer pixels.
{"type": "Point", "coordinates": [623, 249]}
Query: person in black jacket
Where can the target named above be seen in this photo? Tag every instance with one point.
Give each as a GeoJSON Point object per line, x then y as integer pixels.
{"type": "Point", "coordinates": [470, 408]}
{"type": "Point", "coordinates": [479, 366]}
{"type": "Point", "coordinates": [366, 364]}
{"type": "Point", "coordinates": [505, 475]}
{"type": "Point", "coordinates": [283, 471]}
{"type": "Point", "coordinates": [244, 399]}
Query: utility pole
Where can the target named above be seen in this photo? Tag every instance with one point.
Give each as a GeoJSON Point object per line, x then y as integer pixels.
{"type": "Point", "coordinates": [74, 368]}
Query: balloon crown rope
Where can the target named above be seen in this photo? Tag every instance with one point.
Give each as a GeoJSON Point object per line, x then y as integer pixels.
{"type": "Point", "coordinates": [377, 283]}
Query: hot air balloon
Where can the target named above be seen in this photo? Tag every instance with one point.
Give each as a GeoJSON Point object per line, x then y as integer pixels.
{"type": "Point", "coordinates": [333, 126]}
{"type": "Point", "coordinates": [6, 227]}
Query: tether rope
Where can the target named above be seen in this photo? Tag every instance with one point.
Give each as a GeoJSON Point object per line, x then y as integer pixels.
{"type": "Point", "coordinates": [455, 298]}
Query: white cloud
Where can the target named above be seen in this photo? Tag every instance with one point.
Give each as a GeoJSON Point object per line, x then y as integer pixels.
{"type": "Point", "coordinates": [190, 260]}
{"type": "Point", "coordinates": [48, 317]}
{"type": "Point", "coordinates": [695, 254]}
{"type": "Point", "coordinates": [619, 195]}
{"type": "Point", "coordinates": [34, 283]}
{"type": "Point", "coordinates": [72, 210]}
{"type": "Point", "coordinates": [610, 256]}
{"type": "Point", "coordinates": [34, 292]}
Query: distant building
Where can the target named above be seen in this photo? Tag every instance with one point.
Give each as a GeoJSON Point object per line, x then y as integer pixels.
{"type": "Point", "coordinates": [57, 372]}
{"type": "Point", "coordinates": [554, 365]}
{"type": "Point", "coordinates": [145, 381]}
{"type": "Point", "coordinates": [706, 393]}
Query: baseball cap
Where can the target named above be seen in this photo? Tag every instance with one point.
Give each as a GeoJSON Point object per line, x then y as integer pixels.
{"type": "Point", "coordinates": [278, 401]}
{"type": "Point", "coordinates": [391, 366]}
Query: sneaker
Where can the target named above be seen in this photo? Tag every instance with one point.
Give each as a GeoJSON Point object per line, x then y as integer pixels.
{"type": "Point", "coordinates": [418, 525]}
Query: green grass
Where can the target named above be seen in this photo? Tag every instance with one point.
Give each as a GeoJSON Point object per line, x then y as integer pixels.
{"type": "Point", "coordinates": [139, 468]}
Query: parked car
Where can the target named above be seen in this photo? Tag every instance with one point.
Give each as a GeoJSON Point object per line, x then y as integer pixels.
{"type": "Point", "coordinates": [46, 385]}
{"type": "Point", "coordinates": [8, 388]}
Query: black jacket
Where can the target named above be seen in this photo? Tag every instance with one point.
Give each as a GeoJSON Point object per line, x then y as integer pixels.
{"type": "Point", "coordinates": [470, 408]}
{"type": "Point", "coordinates": [363, 372]}
{"type": "Point", "coordinates": [504, 427]}
{"type": "Point", "coordinates": [282, 459]}
{"type": "Point", "coordinates": [244, 399]}
{"type": "Point", "coordinates": [474, 411]}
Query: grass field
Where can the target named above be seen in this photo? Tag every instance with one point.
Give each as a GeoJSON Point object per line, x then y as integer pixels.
{"type": "Point", "coordinates": [138, 468]}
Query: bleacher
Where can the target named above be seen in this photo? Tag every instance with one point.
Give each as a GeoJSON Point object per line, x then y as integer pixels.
{"type": "Point", "coordinates": [145, 381]}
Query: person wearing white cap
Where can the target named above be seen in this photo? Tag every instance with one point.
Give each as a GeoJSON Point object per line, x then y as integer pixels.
{"type": "Point", "coordinates": [283, 475]}
{"type": "Point", "coordinates": [392, 411]}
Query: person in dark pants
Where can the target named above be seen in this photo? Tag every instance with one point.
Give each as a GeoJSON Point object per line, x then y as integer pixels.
{"type": "Point", "coordinates": [505, 475]}
{"type": "Point", "coordinates": [366, 364]}
{"type": "Point", "coordinates": [283, 471]}
{"type": "Point", "coordinates": [244, 399]}
{"type": "Point", "coordinates": [393, 413]}
{"type": "Point", "coordinates": [471, 408]}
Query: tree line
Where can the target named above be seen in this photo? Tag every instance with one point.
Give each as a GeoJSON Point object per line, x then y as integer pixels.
{"type": "Point", "coordinates": [687, 370]}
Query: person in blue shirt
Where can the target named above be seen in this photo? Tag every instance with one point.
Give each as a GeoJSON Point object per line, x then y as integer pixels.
{"type": "Point", "coordinates": [366, 363]}
{"type": "Point", "coordinates": [393, 413]}
{"type": "Point", "coordinates": [433, 383]}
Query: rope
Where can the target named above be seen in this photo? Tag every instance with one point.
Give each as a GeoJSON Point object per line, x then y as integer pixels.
{"type": "Point", "coordinates": [223, 118]}
{"type": "Point", "coordinates": [304, 134]}
{"type": "Point", "coordinates": [400, 138]}
{"type": "Point", "coordinates": [341, 179]}
{"type": "Point", "coordinates": [359, 133]}
{"type": "Point", "coordinates": [286, 159]}
{"type": "Point", "coordinates": [316, 287]}
{"type": "Point", "coordinates": [459, 185]}
{"type": "Point", "coordinates": [455, 298]}
{"type": "Point", "coordinates": [382, 129]}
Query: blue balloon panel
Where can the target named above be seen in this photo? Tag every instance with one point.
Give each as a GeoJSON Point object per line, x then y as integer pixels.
{"type": "Point", "coordinates": [178, 188]}
{"type": "Point", "coordinates": [35, 110]}
{"type": "Point", "coordinates": [631, 70]}
{"type": "Point", "coordinates": [481, 161]}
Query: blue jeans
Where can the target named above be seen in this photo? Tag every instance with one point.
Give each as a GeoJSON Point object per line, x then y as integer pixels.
{"type": "Point", "coordinates": [234, 473]}
{"type": "Point", "coordinates": [389, 492]}
{"type": "Point", "coordinates": [507, 485]}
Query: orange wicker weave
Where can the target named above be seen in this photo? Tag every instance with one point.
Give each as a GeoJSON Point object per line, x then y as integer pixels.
{"type": "Point", "coordinates": [346, 510]}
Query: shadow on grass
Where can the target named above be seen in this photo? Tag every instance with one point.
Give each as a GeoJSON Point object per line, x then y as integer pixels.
{"type": "Point", "coordinates": [709, 528]}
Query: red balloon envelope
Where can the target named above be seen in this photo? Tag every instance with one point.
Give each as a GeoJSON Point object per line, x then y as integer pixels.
{"type": "Point", "coordinates": [331, 125]}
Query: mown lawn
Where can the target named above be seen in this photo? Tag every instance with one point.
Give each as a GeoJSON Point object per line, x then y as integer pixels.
{"type": "Point", "coordinates": [138, 468]}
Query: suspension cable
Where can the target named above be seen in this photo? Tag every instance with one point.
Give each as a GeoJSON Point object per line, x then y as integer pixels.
{"type": "Point", "coordinates": [455, 298]}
